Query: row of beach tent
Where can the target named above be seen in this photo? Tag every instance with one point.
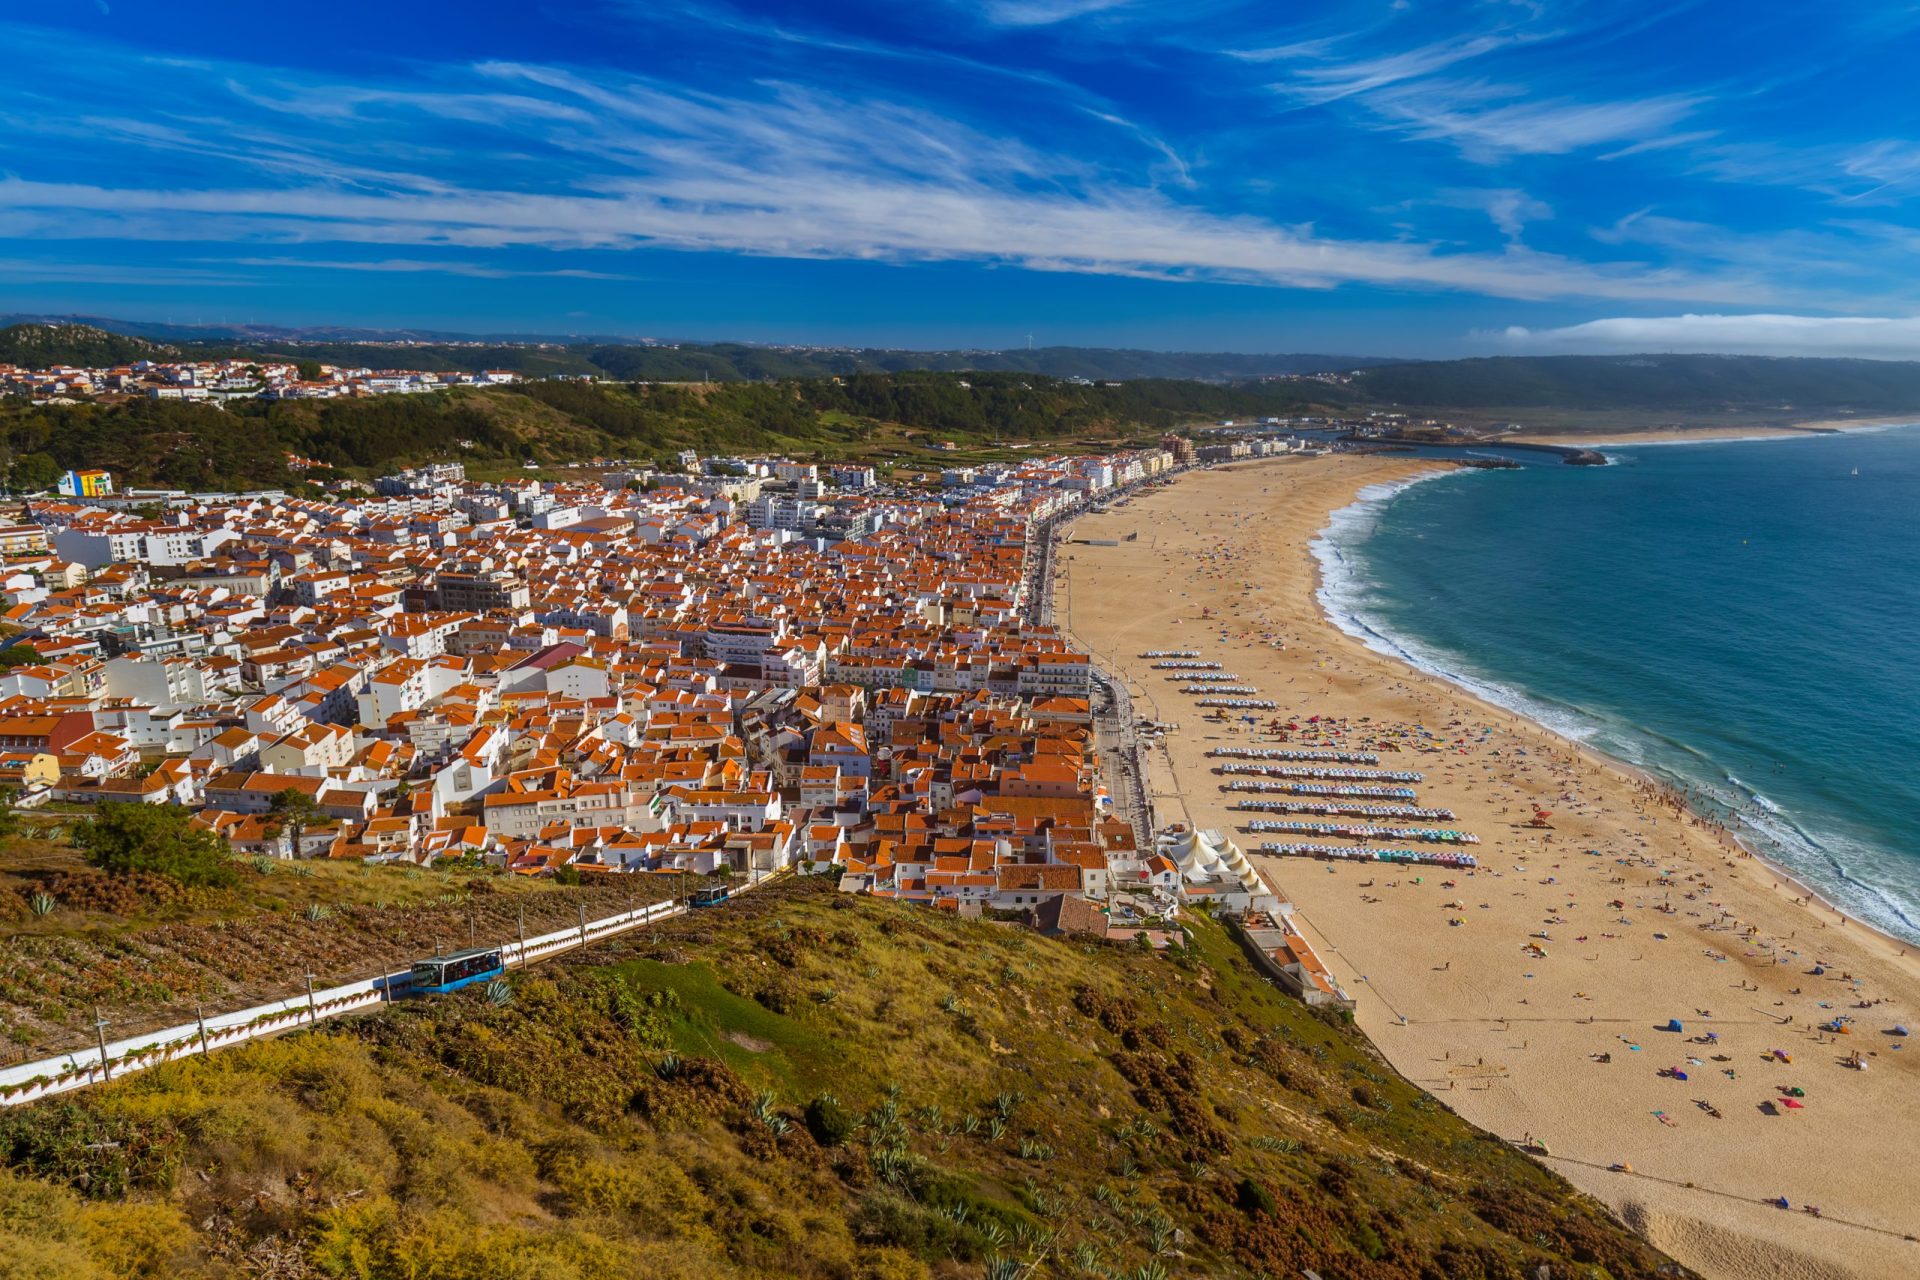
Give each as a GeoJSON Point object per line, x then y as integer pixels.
{"type": "Point", "coordinates": [1367, 831]}
{"type": "Point", "coordinates": [1321, 789]}
{"type": "Point", "coordinates": [1293, 753]}
{"type": "Point", "coordinates": [1342, 807]}
{"type": "Point", "coordinates": [1322, 772]}
{"type": "Point", "coordinates": [1346, 853]}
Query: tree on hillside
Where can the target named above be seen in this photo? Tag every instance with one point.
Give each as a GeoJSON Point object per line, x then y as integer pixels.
{"type": "Point", "coordinates": [297, 811]}
{"type": "Point", "coordinates": [18, 655]}
{"type": "Point", "coordinates": [33, 471]}
{"type": "Point", "coordinates": [123, 838]}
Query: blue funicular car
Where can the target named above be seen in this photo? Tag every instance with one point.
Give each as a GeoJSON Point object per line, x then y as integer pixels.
{"type": "Point", "coordinates": [457, 969]}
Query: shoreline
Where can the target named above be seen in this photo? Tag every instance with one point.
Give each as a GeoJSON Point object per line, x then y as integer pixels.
{"type": "Point", "coordinates": [1397, 650]}
{"type": "Point", "coordinates": [1719, 435]}
{"type": "Point", "coordinates": [1698, 1195]}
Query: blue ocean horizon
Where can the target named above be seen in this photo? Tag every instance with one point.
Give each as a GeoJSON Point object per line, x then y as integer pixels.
{"type": "Point", "coordinates": [1738, 618]}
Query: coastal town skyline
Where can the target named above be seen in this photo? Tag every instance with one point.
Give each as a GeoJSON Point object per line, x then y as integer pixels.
{"type": "Point", "coordinates": [1403, 181]}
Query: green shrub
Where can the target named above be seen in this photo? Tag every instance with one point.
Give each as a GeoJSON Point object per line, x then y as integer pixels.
{"type": "Point", "coordinates": [828, 1121]}
{"type": "Point", "coordinates": [123, 838]}
{"type": "Point", "coordinates": [1253, 1198]}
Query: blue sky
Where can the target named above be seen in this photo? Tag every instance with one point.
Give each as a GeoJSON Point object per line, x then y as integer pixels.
{"type": "Point", "coordinates": [1389, 177]}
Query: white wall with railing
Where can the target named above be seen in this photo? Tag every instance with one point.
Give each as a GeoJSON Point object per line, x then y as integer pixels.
{"type": "Point", "coordinates": [30, 1081]}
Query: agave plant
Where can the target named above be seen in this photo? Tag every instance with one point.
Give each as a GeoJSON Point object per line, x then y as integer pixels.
{"type": "Point", "coordinates": [1002, 1269]}
{"type": "Point", "coordinates": [316, 913]}
{"type": "Point", "coordinates": [264, 865]}
{"type": "Point", "coordinates": [499, 993]}
{"type": "Point", "coordinates": [668, 1067]}
{"type": "Point", "coordinates": [41, 904]}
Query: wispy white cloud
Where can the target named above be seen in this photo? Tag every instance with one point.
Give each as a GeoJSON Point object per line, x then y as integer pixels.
{"type": "Point", "coordinates": [1885, 171]}
{"type": "Point", "coordinates": [37, 271]}
{"type": "Point", "coordinates": [1494, 121]}
{"type": "Point", "coordinates": [794, 173]}
{"type": "Point", "coordinates": [1509, 209]}
{"type": "Point", "coordinates": [915, 155]}
{"type": "Point", "coordinates": [1424, 92]}
{"type": "Point", "coordinates": [777, 169]}
{"type": "Point", "coordinates": [1042, 13]}
{"type": "Point", "coordinates": [413, 266]}
{"type": "Point", "coordinates": [1876, 337]}
{"type": "Point", "coordinates": [1331, 81]}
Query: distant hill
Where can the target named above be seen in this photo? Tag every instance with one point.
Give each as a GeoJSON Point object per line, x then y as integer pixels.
{"type": "Point", "coordinates": [1651, 383]}
{"type": "Point", "coordinates": [744, 362]}
{"type": "Point", "coordinates": [40, 345]}
{"type": "Point", "coordinates": [635, 360]}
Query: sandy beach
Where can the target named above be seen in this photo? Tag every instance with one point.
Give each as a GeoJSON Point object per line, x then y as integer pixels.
{"type": "Point", "coordinates": [1681, 435]}
{"type": "Point", "coordinates": [1684, 435]}
{"type": "Point", "coordinates": [1635, 912]}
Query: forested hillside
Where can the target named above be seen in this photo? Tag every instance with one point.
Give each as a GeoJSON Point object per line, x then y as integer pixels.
{"type": "Point", "coordinates": [1654, 383]}
{"type": "Point", "coordinates": [801, 1084]}
{"type": "Point", "coordinates": [199, 446]}
{"type": "Point", "coordinates": [38, 346]}
{"type": "Point", "coordinates": [696, 361]}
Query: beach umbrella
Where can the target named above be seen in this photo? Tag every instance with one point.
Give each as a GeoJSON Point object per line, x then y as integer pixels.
{"type": "Point", "coordinates": [1900, 1029]}
{"type": "Point", "coordinates": [1794, 1105]}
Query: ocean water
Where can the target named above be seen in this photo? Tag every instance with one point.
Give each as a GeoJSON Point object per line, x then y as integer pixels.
{"type": "Point", "coordinates": [1740, 618]}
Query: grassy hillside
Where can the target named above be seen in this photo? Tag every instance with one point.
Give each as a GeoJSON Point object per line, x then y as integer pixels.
{"type": "Point", "coordinates": [1650, 383]}
{"type": "Point", "coordinates": [199, 446]}
{"type": "Point", "coordinates": [800, 1084]}
{"type": "Point", "coordinates": [142, 949]}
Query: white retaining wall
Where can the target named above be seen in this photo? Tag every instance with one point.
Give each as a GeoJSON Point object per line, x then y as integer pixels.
{"type": "Point", "coordinates": [31, 1081]}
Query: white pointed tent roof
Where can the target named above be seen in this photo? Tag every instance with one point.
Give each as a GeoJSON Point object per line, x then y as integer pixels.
{"type": "Point", "coordinates": [1208, 855]}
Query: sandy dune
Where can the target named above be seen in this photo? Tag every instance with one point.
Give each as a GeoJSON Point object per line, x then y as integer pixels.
{"type": "Point", "coordinates": [1508, 1038]}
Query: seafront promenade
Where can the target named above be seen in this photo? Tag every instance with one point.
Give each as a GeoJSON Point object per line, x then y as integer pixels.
{"type": "Point", "coordinates": [1533, 992]}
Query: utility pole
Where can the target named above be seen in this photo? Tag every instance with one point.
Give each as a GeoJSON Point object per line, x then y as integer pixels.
{"type": "Point", "coordinates": [523, 935]}
{"type": "Point", "coordinates": [583, 924]}
{"type": "Point", "coordinates": [100, 1033]}
{"type": "Point", "coordinates": [313, 1010]}
{"type": "Point", "coordinates": [200, 1016]}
